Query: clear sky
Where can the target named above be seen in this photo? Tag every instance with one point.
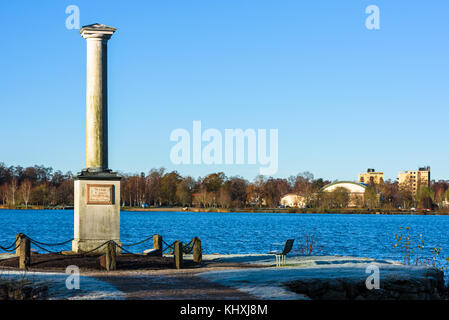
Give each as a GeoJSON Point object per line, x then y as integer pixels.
{"type": "Point", "coordinates": [344, 98]}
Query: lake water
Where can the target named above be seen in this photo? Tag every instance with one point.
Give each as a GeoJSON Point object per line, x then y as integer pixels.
{"type": "Point", "coordinates": [336, 234]}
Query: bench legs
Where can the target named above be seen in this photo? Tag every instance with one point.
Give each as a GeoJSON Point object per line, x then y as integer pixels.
{"type": "Point", "coordinates": [280, 260]}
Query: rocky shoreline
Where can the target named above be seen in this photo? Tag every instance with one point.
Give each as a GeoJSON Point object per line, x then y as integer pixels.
{"type": "Point", "coordinates": [430, 288]}
{"type": "Point", "coordinates": [17, 290]}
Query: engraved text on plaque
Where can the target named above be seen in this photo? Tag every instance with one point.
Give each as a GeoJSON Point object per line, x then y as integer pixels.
{"type": "Point", "coordinates": [100, 194]}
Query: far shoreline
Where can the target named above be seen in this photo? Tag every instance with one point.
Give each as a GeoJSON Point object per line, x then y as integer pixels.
{"type": "Point", "coordinates": [255, 210]}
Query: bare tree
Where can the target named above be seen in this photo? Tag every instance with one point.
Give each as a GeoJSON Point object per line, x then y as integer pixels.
{"type": "Point", "coordinates": [224, 198]}
{"type": "Point", "coordinates": [4, 192]}
{"type": "Point", "coordinates": [13, 191]}
{"type": "Point", "coordinates": [25, 191]}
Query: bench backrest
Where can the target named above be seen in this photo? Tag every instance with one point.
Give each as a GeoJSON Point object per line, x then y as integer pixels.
{"type": "Point", "coordinates": [288, 246]}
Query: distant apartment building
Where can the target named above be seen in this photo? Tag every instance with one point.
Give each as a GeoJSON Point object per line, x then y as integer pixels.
{"type": "Point", "coordinates": [412, 180]}
{"type": "Point", "coordinates": [371, 176]}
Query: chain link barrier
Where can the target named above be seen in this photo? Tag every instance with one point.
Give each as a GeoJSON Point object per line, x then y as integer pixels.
{"type": "Point", "coordinates": [50, 244]}
{"type": "Point", "coordinates": [140, 242]}
{"type": "Point", "coordinates": [188, 248]}
{"type": "Point", "coordinates": [168, 246]}
{"type": "Point", "coordinates": [126, 251]}
{"type": "Point", "coordinates": [10, 248]}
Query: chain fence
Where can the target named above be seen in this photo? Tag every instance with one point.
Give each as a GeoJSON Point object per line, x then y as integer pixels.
{"type": "Point", "coordinates": [169, 248]}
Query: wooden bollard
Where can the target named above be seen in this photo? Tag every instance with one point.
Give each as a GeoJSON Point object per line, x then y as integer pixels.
{"type": "Point", "coordinates": [197, 251]}
{"type": "Point", "coordinates": [178, 254]}
{"type": "Point", "coordinates": [157, 244]}
{"type": "Point", "coordinates": [23, 251]}
{"type": "Point", "coordinates": [111, 263]}
{"type": "Point", "coordinates": [18, 238]}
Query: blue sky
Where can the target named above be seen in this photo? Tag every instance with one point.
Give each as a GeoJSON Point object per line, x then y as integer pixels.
{"type": "Point", "coordinates": [344, 98]}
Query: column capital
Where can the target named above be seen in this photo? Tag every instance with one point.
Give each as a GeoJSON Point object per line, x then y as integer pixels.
{"type": "Point", "coordinates": [97, 31]}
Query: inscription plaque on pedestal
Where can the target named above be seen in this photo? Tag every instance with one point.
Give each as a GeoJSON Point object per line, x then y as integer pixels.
{"type": "Point", "coordinates": [100, 194]}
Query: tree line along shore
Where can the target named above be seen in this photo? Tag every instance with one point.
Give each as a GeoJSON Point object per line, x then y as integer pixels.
{"type": "Point", "coordinates": [41, 187]}
{"type": "Point", "coordinates": [251, 210]}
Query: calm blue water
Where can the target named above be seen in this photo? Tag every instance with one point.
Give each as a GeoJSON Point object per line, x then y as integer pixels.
{"type": "Point", "coordinates": [341, 234]}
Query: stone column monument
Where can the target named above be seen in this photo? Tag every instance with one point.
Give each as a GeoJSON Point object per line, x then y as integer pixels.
{"type": "Point", "coordinates": [97, 188]}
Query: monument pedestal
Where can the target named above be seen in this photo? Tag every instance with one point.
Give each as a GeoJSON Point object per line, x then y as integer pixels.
{"type": "Point", "coordinates": [97, 210]}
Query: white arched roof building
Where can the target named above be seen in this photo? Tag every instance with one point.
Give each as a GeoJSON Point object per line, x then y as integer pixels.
{"type": "Point", "coordinates": [352, 187]}
{"type": "Point", "coordinates": [292, 200]}
{"type": "Point", "coordinates": [355, 189]}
